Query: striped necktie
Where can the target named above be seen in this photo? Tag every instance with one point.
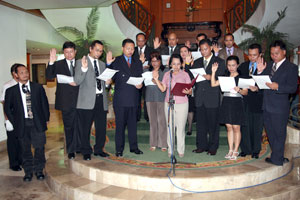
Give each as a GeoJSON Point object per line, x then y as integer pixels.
{"type": "Point", "coordinates": [28, 101]}
{"type": "Point", "coordinates": [97, 74]}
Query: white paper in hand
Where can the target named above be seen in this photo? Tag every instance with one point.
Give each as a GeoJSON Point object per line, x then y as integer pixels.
{"type": "Point", "coordinates": [165, 59]}
{"type": "Point", "coordinates": [135, 81]}
{"type": "Point", "coordinates": [196, 54]}
{"type": "Point", "coordinates": [148, 78]}
{"type": "Point", "coordinates": [64, 79]}
{"type": "Point", "coordinates": [227, 84]}
{"type": "Point", "coordinates": [199, 71]}
{"type": "Point", "coordinates": [261, 81]}
{"type": "Point", "coordinates": [107, 74]}
{"type": "Point", "coordinates": [246, 83]}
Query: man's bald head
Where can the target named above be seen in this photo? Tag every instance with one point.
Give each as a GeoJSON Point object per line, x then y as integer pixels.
{"type": "Point", "coordinates": [172, 39]}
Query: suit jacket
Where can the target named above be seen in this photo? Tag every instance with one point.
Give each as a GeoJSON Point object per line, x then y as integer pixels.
{"type": "Point", "coordinates": [14, 108]}
{"type": "Point", "coordinates": [87, 85]}
{"type": "Point", "coordinates": [254, 100]}
{"type": "Point", "coordinates": [65, 95]}
{"type": "Point", "coordinates": [277, 101]}
{"type": "Point", "coordinates": [236, 51]}
{"type": "Point", "coordinates": [126, 95]}
{"type": "Point", "coordinates": [204, 93]}
{"type": "Point", "coordinates": [165, 50]}
{"type": "Point", "coordinates": [147, 52]}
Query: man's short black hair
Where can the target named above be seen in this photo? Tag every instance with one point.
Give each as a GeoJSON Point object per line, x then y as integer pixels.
{"type": "Point", "coordinates": [69, 44]}
{"type": "Point", "coordinates": [228, 34]}
{"type": "Point", "coordinates": [143, 34]}
{"type": "Point", "coordinates": [205, 41]}
{"type": "Point", "coordinates": [202, 34]}
{"type": "Point", "coordinates": [12, 68]}
{"type": "Point", "coordinates": [16, 66]}
{"type": "Point", "coordinates": [93, 44]}
{"type": "Point", "coordinates": [127, 41]}
{"type": "Point", "coordinates": [256, 46]}
{"type": "Point", "coordinates": [278, 43]}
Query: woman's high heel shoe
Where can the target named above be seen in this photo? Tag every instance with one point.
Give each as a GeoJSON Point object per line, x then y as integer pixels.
{"type": "Point", "coordinates": [234, 155]}
{"type": "Point", "coordinates": [228, 156]}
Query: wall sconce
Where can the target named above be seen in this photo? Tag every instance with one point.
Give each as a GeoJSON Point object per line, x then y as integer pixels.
{"type": "Point", "coordinates": [192, 5]}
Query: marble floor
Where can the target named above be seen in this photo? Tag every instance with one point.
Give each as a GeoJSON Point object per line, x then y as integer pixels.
{"type": "Point", "coordinates": [12, 186]}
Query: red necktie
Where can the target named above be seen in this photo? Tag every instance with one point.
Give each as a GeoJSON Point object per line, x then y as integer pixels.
{"type": "Point", "coordinates": [128, 63]}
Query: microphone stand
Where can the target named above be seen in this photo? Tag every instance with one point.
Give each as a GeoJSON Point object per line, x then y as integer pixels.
{"type": "Point", "coordinates": [173, 132]}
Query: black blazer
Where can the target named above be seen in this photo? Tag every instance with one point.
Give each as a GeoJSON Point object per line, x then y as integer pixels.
{"type": "Point", "coordinates": [253, 100]}
{"type": "Point", "coordinates": [126, 95]}
{"type": "Point", "coordinates": [66, 95]}
{"type": "Point", "coordinates": [204, 93]}
{"type": "Point", "coordinates": [147, 52]}
{"type": "Point", "coordinates": [14, 109]}
{"type": "Point", "coordinates": [277, 101]}
{"type": "Point", "coordinates": [165, 50]}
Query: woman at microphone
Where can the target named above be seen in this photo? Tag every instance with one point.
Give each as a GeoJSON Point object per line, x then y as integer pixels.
{"type": "Point", "coordinates": [181, 104]}
{"type": "Point", "coordinates": [232, 109]}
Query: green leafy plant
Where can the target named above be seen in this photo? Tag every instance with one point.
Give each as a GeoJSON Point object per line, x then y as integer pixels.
{"type": "Point", "coordinates": [265, 36]}
{"type": "Point", "coordinates": [83, 41]}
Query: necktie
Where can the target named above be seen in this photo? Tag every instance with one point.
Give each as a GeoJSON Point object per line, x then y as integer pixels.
{"type": "Point", "coordinates": [205, 63]}
{"type": "Point", "coordinates": [97, 74]}
{"type": "Point", "coordinates": [28, 101]}
{"type": "Point", "coordinates": [71, 68]}
{"type": "Point", "coordinates": [273, 70]}
{"type": "Point", "coordinates": [128, 63]}
{"type": "Point", "coordinates": [251, 71]}
{"type": "Point", "coordinates": [229, 52]}
{"type": "Point", "coordinates": [140, 52]}
{"type": "Point", "coordinates": [171, 51]}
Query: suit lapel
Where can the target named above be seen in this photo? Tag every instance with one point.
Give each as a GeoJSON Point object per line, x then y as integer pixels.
{"type": "Point", "coordinates": [280, 70]}
{"type": "Point", "coordinates": [19, 98]}
{"type": "Point", "coordinates": [125, 65]}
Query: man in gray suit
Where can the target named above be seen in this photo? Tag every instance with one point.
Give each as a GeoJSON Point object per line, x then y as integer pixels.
{"type": "Point", "coordinates": [229, 49]}
{"type": "Point", "coordinates": [92, 103]}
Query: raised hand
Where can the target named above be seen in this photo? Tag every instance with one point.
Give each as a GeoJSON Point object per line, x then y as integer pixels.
{"type": "Point", "coordinates": [215, 48]}
{"type": "Point", "coordinates": [155, 75]}
{"type": "Point", "coordinates": [156, 43]}
{"type": "Point", "coordinates": [109, 58]}
{"type": "Point", "coordinates": [53, 56]}
{"type": "Point", "coordinates": [188, 44]}
{"type": "Point", "coordinates": [189, 58]}
{"type": "Point", "coordinates": [261, 64]}
{"type": "Point", "coordinates": [84, 62]}
{"type": "Point", "coordinates": [142, 57]}
{"type": "Point", "coordinates": [214, 67]}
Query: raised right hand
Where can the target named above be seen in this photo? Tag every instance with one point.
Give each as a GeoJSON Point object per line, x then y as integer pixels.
{"type": "Point", "coordinates": [214, 67]}
{"type": "Point", "coordinates": [156, 43]}
{"type": "Point", "coordinates": [84, 62]}
{"type": "Point", "coordinates": [53, 56]}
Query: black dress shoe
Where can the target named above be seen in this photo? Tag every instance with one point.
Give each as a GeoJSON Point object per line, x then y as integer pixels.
{"type": "Point", "coordinates": [71, 156]}
{"type": "Point", "coordinates": [242, 154]}
{"type": "Point", "coordinates": [255, 155]}
{"type": "Point", "coordinates": [78, 152]}
{"type": "Point", "coordinates": [212, 153]}
{"type": "Point", "coordinates": [87, 157]}
{"type": "Point", "coordinates": [189, 133]}
{"type": "Point", "coordinates": [136, 151]}
{"type": "Point", "coordinates": [286, 160]}
{"type": "Point", "coordinates": [27, 177]}
{"type": "Point", "coordinates": [40, 176]}
{"type": "Point", "coordinates": [198, 150]}
{"type": "Point", "coordinates": [119, 154]}
{"type": "Point", "coordinates": [268, 160]}
{"type": "Point", "coordinates": [102, 154]}
{"type": "Point", "coordinates": [16, 168]}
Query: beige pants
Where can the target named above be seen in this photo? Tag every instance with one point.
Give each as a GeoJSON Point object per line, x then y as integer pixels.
{"type": "Point", "coordinates": [158, 125]}
{"type": "Point", "coordinates": [180, 117]}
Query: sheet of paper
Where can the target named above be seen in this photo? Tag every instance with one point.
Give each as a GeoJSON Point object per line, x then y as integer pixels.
{"type": "Point", "coordinates": [261, 81]}
{"type": "Point", "coordinates": [199, 71]}
{"type": "Point", "coordinates": [64, 79]}
{"type": "Point", "coordinates": [135, 81]}
{"type": "Point", "coordinates": [246, 83]}
{"type": "Point", "coordinates": [145, 64]}
{"type": "Point", "coordinates": [227, 84]}
{"type": "Point", "coordinates": [107, 74]}
{"type": "Point", "coordinates": [165, 59]}
{"type": "Point", "coordinates": [148, 78]}
{"type": "Point", "coordinates": [196, 54]}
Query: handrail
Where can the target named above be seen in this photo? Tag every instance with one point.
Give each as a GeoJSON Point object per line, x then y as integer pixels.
{"type": "Point", "coordinates": [239, 13]}
{"type": "Point", "coordinates": [138, 15]}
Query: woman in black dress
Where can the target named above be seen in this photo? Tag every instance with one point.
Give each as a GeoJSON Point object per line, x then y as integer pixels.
{"type": "Point", "coordinates": [231, 111]}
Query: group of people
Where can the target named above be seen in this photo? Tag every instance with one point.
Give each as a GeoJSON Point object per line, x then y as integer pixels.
{"type": "Point", "coordinates": [83, 102]}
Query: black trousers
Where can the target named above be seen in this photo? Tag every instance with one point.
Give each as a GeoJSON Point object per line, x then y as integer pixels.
{"type": "Point", "coordinates": [33, 163]}
{"type": "Point", "coordinates": [126, 116]}
{"type": "Point", "coordinates": [14, 149]}
{"type": "Point", "coordinates": [86, 119]}
{"type": "Point", "coordinates": [207, 124]}
{"type": "Point", "coordinates": [70, 126]}
{"type": "Point", "coordinates": [275, 125]}
{"type": "Point", "coordinates": [252, 132]}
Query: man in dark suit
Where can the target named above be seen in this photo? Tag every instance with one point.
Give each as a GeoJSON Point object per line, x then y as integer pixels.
{"type": "Point", "coordinates": [27, 108]}
{"type": "Point", "coordinates": [142, 50]}
{"type": "Point", "coordinates": [126, 97]}
{"type": "Point", "coordinates": [92, 103]}
{"type": "Point", "coordinates": [207, 101]}
{"type": "Point", "coordinates": [14, 150]}
{"type": "Point", "coordinates": [284, 75]}
{"type": "Point", "coordinates": [252, 130]}
{"type": "Point", "coordinates": [66, 94]}
{"type": "Point", "coordinates": [195, 47]}
{"type": "Point", "coordinates": [229, 49]}
{"type": "Point", "coordinates": [172, 47]}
